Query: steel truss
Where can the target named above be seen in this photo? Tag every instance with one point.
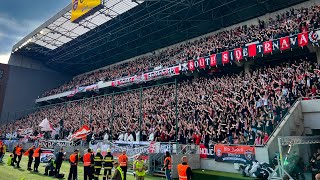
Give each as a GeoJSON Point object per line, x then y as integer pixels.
{"type": "Point", "coordinates": [290, 140]}
{"type": "Point", "coordinates": [173, 16]}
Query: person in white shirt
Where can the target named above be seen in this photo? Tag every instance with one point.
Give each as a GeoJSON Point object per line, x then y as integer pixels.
{"type": "Point", "coordinates": [130, 138]}
{"type": "Point", "coordinates": [106, 137]}
{"type": "Point", "coordinates": [151, 136]}
{"type": "Point", "coordinates": [121, 136]}
{"type": "Point", "coordinates": [138, 136]}
{"type": "Point", "coordinates": [126, 135]}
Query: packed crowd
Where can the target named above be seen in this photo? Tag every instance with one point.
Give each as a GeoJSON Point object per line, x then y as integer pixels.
{"type": "Point", "coordinates": [287, 23]}
{"type": "Point", "coordinates": [237, 108]}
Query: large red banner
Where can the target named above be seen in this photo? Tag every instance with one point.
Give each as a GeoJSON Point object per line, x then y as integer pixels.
{"type": "Point", "coordinates": [257, 49]}
{"type": "Point", "coordinates": [234, 154]}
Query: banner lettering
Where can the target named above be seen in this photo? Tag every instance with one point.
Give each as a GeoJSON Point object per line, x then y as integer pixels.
{"type": "Point", "coordinates": [234, 154]}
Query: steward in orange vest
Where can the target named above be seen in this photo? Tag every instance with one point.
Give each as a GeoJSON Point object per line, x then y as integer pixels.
{"type": "Point", "coordinates": [88, 164]}
{"type": "Point", "coordinates": [29, 153]}
{"type": "Point", "coordinates": [167, 165]}
{"type": "Point", "coordinates": [123, 161]}
{"type": "Point", "coordinates": [19, 152]}
{"type": "Point", "coordinates": [1, 151]}
{"type": "Point", "coordinates": [184, 170]}
{"type": "Point", "coordinates": [36, 156]}
{"type": "Point", "coordinates": [73, 173]}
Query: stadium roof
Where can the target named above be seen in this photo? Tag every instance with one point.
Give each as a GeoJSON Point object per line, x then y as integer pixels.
{"type": "Point", "coordinates": [59, 29]}
{"type": "Point", "coordinates": [126, 28]}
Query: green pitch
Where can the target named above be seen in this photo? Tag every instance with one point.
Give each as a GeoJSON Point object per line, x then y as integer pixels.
{"type": "Point", "coordinates": [13, 173]}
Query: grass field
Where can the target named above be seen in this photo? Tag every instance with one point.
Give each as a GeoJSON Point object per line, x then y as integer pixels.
{"type": "Point", "coordinates": [13, 173]}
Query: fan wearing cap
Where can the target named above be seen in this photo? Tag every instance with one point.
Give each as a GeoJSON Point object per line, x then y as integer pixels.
{"type": "Point", "coordinates": [118, 173]}
{"type": "Point", "coordinates": [98, 158]}
{"type": "Point", "coordinates": [108, 160]}
{"type": "Point", "coordinates": [73, 165]}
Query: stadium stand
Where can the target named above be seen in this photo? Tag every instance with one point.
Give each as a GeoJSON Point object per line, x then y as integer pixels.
{"type": "Point", "coordinates": [236, 109]}
{"type": "Point", "coordinates": [288, 23]}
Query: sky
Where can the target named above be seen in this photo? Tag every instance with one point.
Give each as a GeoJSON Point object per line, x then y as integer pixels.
{"type": "Point", "coordinates": [18, 18]}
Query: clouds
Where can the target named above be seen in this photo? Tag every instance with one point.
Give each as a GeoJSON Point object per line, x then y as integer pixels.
{"type": "Point", "coordinates": [13, 30]}
{"type": "Point", "coordinates": [4, 58]}
{"type": "Point", "coordinates": [19, 18]}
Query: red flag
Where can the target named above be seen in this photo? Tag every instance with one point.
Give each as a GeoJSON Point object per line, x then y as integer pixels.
{"type": "Point", "coordinates": [238, 54]}
{"type": "Point", "coordinates": [267, 47]}
{"type": "Point", "coordinates": [303, 39]}
{"type": "Point", "coordinates": [202, 63]}
{"type": "Point", "coordinates": [191, 65]}
{"type": "Point", "coordinates": [81, 133]}
{"type": "Point", "coordinates": [225, 57]}
{"type": "Point", "coordinates": [177, 70]}
{"type": "Point", "coordinates": [213, 60]}
{"type": "Point", "coordinates": [284, 43]}
{"type": "Point", "coordinates": [252, 49]}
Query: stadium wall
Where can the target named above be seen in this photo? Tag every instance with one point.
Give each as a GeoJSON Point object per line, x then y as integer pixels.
{"type": "Point", "coordinates": [26, 62]}
{"type": "Point", "coordinates": [311, 114]}
{"type": "Point", "coordinates": [23, 87]}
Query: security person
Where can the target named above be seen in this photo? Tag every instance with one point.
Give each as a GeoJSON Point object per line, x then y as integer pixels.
{"type": "Point", "coordinates": [98, 158]}
{"type": "Point", "coordinates": [36, 156]}
{"type": "Point", "coordinates": [29, 153]}
{"type": "Point", "coordinates": [184, 170]}
{"type": "Point", "coordinates": [87, 164]}
{"type": "Point", "coordinates": [108, 165]}
{"type": "Point", "coordinates": [123, 160]}
{"type": "Point", "coordinates": [59, 159]}
{"type": "Point", "coordinates": [139, 168]}
{"type": "Point", "coordinates": [167, 165]}
{"type": "Point", "coordinates": [73, 165]}
{"type": "Point", "coordinates": [50, 166]}
{"type": "Point", "coordinates": [1, 151]}
{"type": "Point", "coordinates": [118, 174]}
{"type": "Point", "coordinates": [14, 159]}
{"type": "Point", "coordinates": [19, 152]}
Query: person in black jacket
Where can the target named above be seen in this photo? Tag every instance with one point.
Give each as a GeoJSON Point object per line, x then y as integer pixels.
{"type": "Point", "coordinates": [30, 152]}
{"type": "Point", "coordinates": [98, 158]}
{"type": "Point", "coordinates": [108, 165]}
{"type": "Point", "coordinates": [59, 159]}
{"type": "Point", "coordinates": [14, 160]}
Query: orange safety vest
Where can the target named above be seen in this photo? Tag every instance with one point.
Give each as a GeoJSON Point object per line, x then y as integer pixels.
{"type": "Point", "coordinates": [170, 163]}
{"type": "Point", "coordinates": [123, 159]}
{"type": "Point", "coordinates": [18, 151]}
{"type": "Point", "coordinates": [182, 172]}
{"type": "Point", "coordinates": [27, 152]}
{"type": "Point", "coordinates": [73, 158]}
{"type": "Point", "coordinates": [36, 153]}
{"type": "Point", "coordinates": [87, 159]}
